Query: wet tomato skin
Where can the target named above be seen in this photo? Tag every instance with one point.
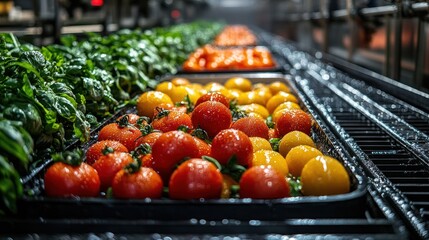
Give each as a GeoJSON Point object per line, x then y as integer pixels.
{"type": "Point", "coordinates": [149, 139]}
{"type": "Point", "coordinates": [171, 148]}
{"type": "Point", "coordinates": [63, 180]}
{"type": "Point", "coordinates": [263, 182]}
{"type": "Point", "coordinates": [126, 135]}
{"type": "Point", "coordinates": [172, 121]}
{"type": "Point", "coordinates": [108, 165]}
{"type": "Point", "coordinates": [145, 183]}
{"type": "Point", "coordinates": [293, 120]}
{"type": "Point", "coordinates": [212, 117]}
{"type": "Point", "coordinates": [94, 152]}
{"type": "Point", "coordinates": [252, 127]}
{"type": "Point", "coordinates": [213, 96]}
{"type": "Point", "coordinates": [194, 179]}
{"type": "Point", "coordinates": [229, 143]}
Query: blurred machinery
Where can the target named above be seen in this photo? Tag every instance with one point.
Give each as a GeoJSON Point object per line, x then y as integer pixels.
{"type": "Point", "coordinates": [388, 37]}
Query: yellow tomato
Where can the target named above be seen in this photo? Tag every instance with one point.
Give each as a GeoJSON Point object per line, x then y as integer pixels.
{"type": "Point", "coordinates": [278, 113]}
{"type": "Point", "coordinates": [293, 139]}
{"type": "Point", "coordinates": [278, 99]}
{"type": "Point", "coordinates": [299, 156]}
{"type": "Point", "coordinates": [278, 86]}
{"type": "Point", "coordinates": [265, 93]}
{"type": "Point", "coordinates": [255, 108]}
{"type": "Point", "coordinates": [180, 81]}
{"type": "Point", "coordinates": [234, 93]}
{"type": "Point", "coordinates": [250, 97]}
{"type": "Point", "coordinates": [193, 94]}
{"type": "Point", "coordinates": [227, 183]}
{"type": "Point", "coordinates": [270, 158]}
{"type": "Point", "coordinates": [287, 105]}
{"type": "Point", "coordinates": [324, 175]}
{"type": "Point", "coordinates": [165, 87]}
{"type": "Point", "coordinates": [242, 84]}
{"type": "Point", "coordinates": [213, 87]}
{"type": "Point", "coordinates": [259, 143]}
{"type": "Point", "coordinates": [148, 101]}
{"type": "Point", "coordinates": [179, 93]}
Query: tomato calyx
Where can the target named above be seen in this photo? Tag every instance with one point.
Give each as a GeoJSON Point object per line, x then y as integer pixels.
{"type": "Point", "coordinates": [183, 128]}
{"type": "Point", "coordinates": [72, 158]}
{"type": "Point", "coordinates": [124, 121]}
{"type": "Point", "coordinates": [186, 102]}
{"type": "Point", "coordinates": [295, 185]}
{"type": "Point", "coordinates": [235, 111]}
{"type": "Point", "coordinates": [106, 150]}
{"type": "Point", "coordinates": [275, 143]}
{"type": "Point", "coordinates": [141, 150]}
{"type": "Point", "coordinates": [143, 121]}
{"type": "Point", "coordinates": [161, 112]}
{"type": "Point", "coordinates": [214, 161]}
{"type": "Point", "coordinates": [231, 169]}
{"type": "Point", "coordinates": [201, 134]}
{"type": "Point", "coordinates": [147, 129]}
{"type": "Point", "coordinates": [269, 121]}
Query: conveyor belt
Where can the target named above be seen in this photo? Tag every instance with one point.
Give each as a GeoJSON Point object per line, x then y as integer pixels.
{"type": "Point", "coordinates": [387, 134]}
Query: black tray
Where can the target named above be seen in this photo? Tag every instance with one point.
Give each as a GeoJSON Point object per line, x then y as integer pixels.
{"type": "Point", "coordinates": [348, 205]}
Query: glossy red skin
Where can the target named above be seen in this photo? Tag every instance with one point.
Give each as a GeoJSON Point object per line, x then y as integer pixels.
{"type": "Point", "coordinates": [252, 127]}
{"type": "Point", "coordinates": [94, 152]}
{"type": "Point", "coordinates": [204, 149]}
{"type": "Point", "coordinates": [213, 96]}
{"type": "Point", "coordinates": [172, 121]}
{"type": "Point", "coordinates": [263, 182]}
{"type": "Point", "coordinates": [125, 135]}
{"type": "Point", "coordinates": [149, 139]}
{"type": "Point", "coordinates": [293, 120]}
{"type": "Point", "coordinates": [212, 117]}
{"type": "Point", "coordinates": [63, 180]}
{"type": "Point", "coordinates": [108, 165]}
{"type": "Point", "coordinates": [132, 118]}
{"type": "Point", "coordinates": [146, 183]}
{"type": "Point", "coordinates": [272, 133]}
{"type": "Point", "coordinates": [230, 142]}
{"type": "Point", "coordinates": [147, 160]}
{"type": "Point", "coordinates": [195, 179]}
{"type": "Point", "coordinates": [171, 148]}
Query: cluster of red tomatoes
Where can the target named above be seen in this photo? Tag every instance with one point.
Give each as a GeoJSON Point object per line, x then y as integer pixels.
{"type": "Point", "coordinates": [235, 35]}
{"type": "Point", "coordinates": [214, 143]}
{"type": "Point", "coordinates": [210, 58]}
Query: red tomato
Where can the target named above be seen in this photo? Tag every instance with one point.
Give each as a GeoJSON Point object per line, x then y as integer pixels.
{"type": "Point", "coordinates": [171, 148]}
{"type": "Point", "coordinates": [232, 142]}
{"type": "Point", "coordinates": [108, 165]}
{"type": "Point", "coordinates": [263, 182]}
{"type": "Point", "coordinates": [203, 148]}
{"type": "Point", "coordinates": [272, 133]}
{"type": "Point", "coordinates": [133, 119]}
{"type": "Point", "coordinates": [63, 180]}
{"type": "Point", "coordinates": [252, 127]}
{"type": "Point", "coordinates": [149, 139]}
{"type": "Point", "coordinates": [171, 120]}
{"type": "Point", "coordinates": [145, 183]}
{"type": "Point", "coordinates": [126, 135]}
{"type": "Point", "coordinates": [168, 107]}
{"type": "Point", "coordinates": [95, 151]}
{"type": "Point", "coordinates": [293, 120]}
{"type": "Point", "coordinates": [194, 179]}
{"type": "Point", "coordinates": [213, 96]}
{"type": "Point", "coordinates": [212, 117]}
